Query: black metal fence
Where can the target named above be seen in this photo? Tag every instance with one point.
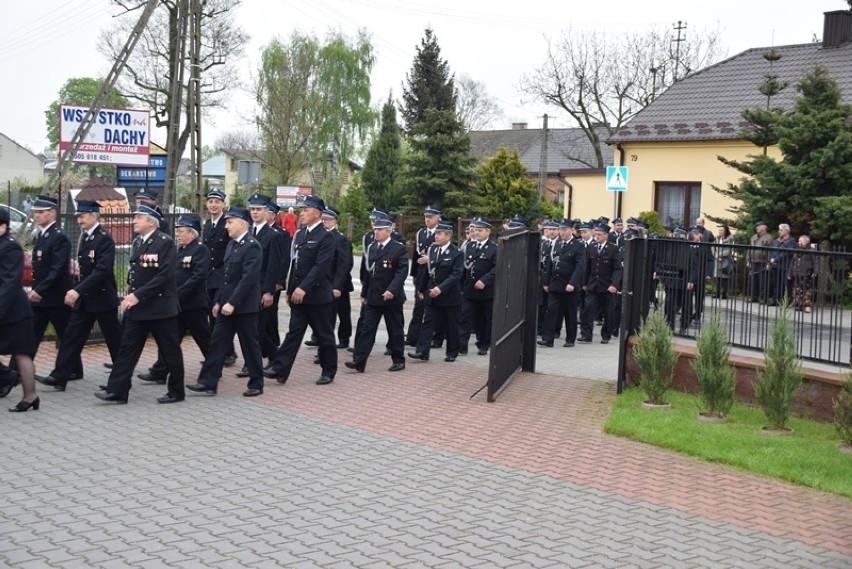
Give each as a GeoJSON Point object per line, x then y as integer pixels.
{"type": "Point", "coordinates": [690, 281]}
{"type": "Point", "coordinates": [513, 326]}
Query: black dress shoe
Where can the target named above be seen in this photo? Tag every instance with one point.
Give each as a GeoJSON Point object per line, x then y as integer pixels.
{"type": "Point", "coordinates": [350, 349]}
{"type": "Point", "coordinates": [397, 367]}
{"type": "Point", "coordinates": [605, 341]}
{"type": "Point", "coordinates": [230, 360]}
{"type": "Point", "coordinates": [450, 359]}
{"type": "Point", "coordinates": [412, 343]}
{"type": "Point", "coordinates": [7, 389]}
{"type": "Point", "coordinates": [312, 343]}
{"type": "Point", "coordinates": [437, 344]}
{"type": "Point", "coordinates": [272, 374]}
{"type": "Point", "coordinates": [269, 365]}
{"type": "Point", "coordinates": [462, 351]}
{"type": "Point", "coordinates": [545, 343]}
{"type": "Point", "coordinates": [251, 392]}
{"type": "Point", "coordinates": [324, 380]}
{"type": "Point", "coordinates": [357, 367]}
{"type": "Point", "coordinates": [151, 377]}
{"type": "Point", "coordinates": [108, 365]}
{"type": "Point", "coordinates": [342, 345]}
{"type": "Point", "coordinates": [169, 399]}
{"type": "Point", "coordinates": [56, 384]}
{"type": "Point", "coordinates": [317, 360]}
{"type": "Point", "coordinates": [387, 352]}
{"type": "Point", "coordinates": [23, 406]}
{"type": "Point", "coordinates": [585, 340]}
{"type": "Point", "coordinates": [110, 397]}
{"type": "Point", "coordinates": [418, 356]}
{"type": "Point", "coordinates": [568, 345]}
{"type": "Point", "coordinates": [483, 352]}
{"type": "Point", "coordinates": [76, 375]}
{"type": "Point", "coordinates": [198, 388]}
{"type": "Point", "coordinates": [243, 372]}
{"type": "Point", "coordinates": [102, 387]}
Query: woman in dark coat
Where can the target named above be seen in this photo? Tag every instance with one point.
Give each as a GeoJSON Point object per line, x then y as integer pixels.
{"type": "Point", "coordinates": [803, 271]}
{"type": "Point", "coordinates": [17, 336]}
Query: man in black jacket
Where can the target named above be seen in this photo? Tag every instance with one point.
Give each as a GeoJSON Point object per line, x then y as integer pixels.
{"type": "Point", "coordinates": [192, 265]}
{"type": "Point", "coordinates": [424, 238]}
{"type": "Point", "coordinates": [601, 283]}
{"type": "Point", "coordinates": [480, 271]}
{"type": "Point", "coordinates": [440, 288]}
{"type": "Point", "coordinates": [51, 260]}
{"type": "Point", "coordinates": [235, 308]}
{"type": "Point", "coordinates": [215, 238]}
{"type": "Point", "coordinates": [309, 295]}
{"type": "Point", "coordinates": [382, 296]}
{"type": "Point", "coordinates": [341, 279]}
{"type": "Point", "coordinates": [151, 307]}
{"type": "Point", "coordinates": [564, 282]}
{"type": "Point", "coordinates": [93, 299]}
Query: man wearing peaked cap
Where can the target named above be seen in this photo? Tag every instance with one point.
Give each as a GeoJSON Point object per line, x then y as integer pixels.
{"type": "Point", "coordinates": [341, 279]}
{"type": "Point", "coordinates": [480, 270]}
{"type": "Point", "coordinates": [192, 265]}
{"type": "Point", "coordinates": [422, 241]}
{"type": "Point", "coordinates": [215, 238]}
{"type": "Point", "coordinates": [149, 198]}
{"type": "Point", "coordinates": [441, 291]}
{"type": "Point", "coordinates": [270, 339]}
{"type": "Point", "coordinates": [310, 296]}
{"type": "Point", "coordinates": [150, 307]}
{"type": "Point", "coordinates": [236, 307]}
{"type": "Point", "coordinates": [93, 299]}
{"type": "Point", "coordinates": [51, 258]}
{"type": "Point", "coordinates": [601, 283]}
{"type": "Point", "coordinates": [564, 280]}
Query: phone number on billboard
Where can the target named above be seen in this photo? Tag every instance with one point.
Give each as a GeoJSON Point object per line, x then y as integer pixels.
{"type": "Point", "coordinates": [92, 157]}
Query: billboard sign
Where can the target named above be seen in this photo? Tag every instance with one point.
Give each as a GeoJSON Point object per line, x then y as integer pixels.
{"type": "Point", "coordinates": [154, 176]}
{"type": "Point", "coordinates": [291, 196]}
{"type": "Point", "coordinates": [117, 137]}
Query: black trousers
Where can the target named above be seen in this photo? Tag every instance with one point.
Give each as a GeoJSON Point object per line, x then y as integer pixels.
{"type": "Point", "coordinates": [416, 323]}
{"type": "Point", "coordinates": [320, 317]}
{"type": "Point", "coordinates": [676, 300]}
{"type": "Point", "coordinates": [476, 319]}
{"type": "Point", "coordinates": [597, 302]}
{"type": "Point", "coordinates": [195, 322]}
{"type": "Point", "coordinates": [561, 306]}
{"type": "Point", "coordinates": [267, 329]}
{"type": "Point", "coordinates": [211, 296]}
{"type": "Point", "coordinates": [366, 336]}
{"type": "Point", "coordinates": [78, 330]}
{"type": "Point", "coordinates": [343, 310]}
{"type": "Point", "coordinates": [244, 325]}
{"type": "Point", "coordinates": [431, 315]}
{"type": "Point", "coordinates": [165, 333]}
{"type": "Point", "coordinates": [42, 316]}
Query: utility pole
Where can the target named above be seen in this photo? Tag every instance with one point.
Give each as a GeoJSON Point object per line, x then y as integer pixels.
{"type": "Point", "coordinates": [194, 105]}
{"type": "Point", "coordinates": [542, 164]}
{"type": "Point", "coordinates": [680, 26]}
{"type": "Point", "coordinates": [178, 48]}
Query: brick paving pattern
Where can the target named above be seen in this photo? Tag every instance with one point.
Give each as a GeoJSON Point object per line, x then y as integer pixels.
{"type": "Point", "coordinates": [385, 470]}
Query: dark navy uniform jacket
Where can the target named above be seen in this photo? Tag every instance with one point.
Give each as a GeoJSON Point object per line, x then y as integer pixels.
{"type": "Point", "coordinates": [192, 265]}
{"type": "Point", "coordinates": [480, 264]}
{"type": "Point", "coordinates": [216, 239]}
{"type": "Point", "coordinates": [444, 270]}
{"type": "Point", "coordinates": [241, 278]}
{"type": "Point", "coordinates": [341, 278]}
{"type": "Point", "coordinates": [276, 257]}
{"type": "Point", "coordinates": [313, 254]}
{"type": "Point", "coordinates": [14, 304]}
{"type": "Point", "coordinates": [96, 259]}
{"type": "Point", "coordinates": [51, 260]}
{"type": "Point", "coordinates": [387, 271]}
{"type": "Point", "coordinates": [152, 278]}
{"type": "Point", "coordinates": [603, 268]}
{"type": "Point", "coordinates": [567, 266]}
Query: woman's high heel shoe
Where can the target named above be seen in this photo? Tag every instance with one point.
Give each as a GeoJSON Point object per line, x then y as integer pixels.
{"type": "Point", "coordinates": [25, 406]}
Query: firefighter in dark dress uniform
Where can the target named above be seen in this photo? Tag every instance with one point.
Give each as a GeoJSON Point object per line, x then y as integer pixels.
{"type": "Point", "coordinates": [424, 238]}
{"type": "Point", "coordinates": [382, 296]}
{"type": "Point", "coordinates": [601, 283]}
{"type": "Point", "coordinates": [480, 272]}
{"type": "Point", "coordinates": [564, 282]}
{"type": "Point", "coordinates": [341, 280]}
{"type": "Point", "coordinates": [148, 198]}
{"type": "Point", "coordinates": [215, 238]}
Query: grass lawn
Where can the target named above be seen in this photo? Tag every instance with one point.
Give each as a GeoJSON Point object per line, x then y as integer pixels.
{"type": "Point", "coordinates": [809, 457]}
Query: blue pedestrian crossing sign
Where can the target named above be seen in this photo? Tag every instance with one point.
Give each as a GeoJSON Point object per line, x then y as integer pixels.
{"type": "Point", "coordinates": [616, 178]}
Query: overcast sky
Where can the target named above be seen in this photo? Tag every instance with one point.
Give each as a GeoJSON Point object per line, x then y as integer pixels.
{"type": "Point", "coordinates": [45, 42]}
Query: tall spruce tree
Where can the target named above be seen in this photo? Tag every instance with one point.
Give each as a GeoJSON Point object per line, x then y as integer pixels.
{"type": "Point", "coordinates": [430, 84]}
{"type": "Point", "coordinates": [810, 187]}
{"type": "Point", "coordinates": [440, 168]}
{"type": "Point", "coordinates": [382, 171]}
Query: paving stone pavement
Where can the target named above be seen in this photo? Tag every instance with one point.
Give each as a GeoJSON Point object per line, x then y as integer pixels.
{"type": "Point", "coordinates": [385, 470]}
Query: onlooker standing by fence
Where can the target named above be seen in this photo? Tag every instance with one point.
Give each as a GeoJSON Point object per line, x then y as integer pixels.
{"type": "Point", "coordinates": [779, 264]}
{"type": "Point", "coordinates": [802, 274]}
{"type": "Point", "coordinates": [756, 263]}
{"type": "Point", "coordinates": [723, 270]}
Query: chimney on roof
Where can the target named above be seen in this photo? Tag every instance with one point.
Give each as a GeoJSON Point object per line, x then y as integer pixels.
{"type": "Point", "coordinates": [837, 28]}
{"type": "Point", "coordinates": [519, 126]}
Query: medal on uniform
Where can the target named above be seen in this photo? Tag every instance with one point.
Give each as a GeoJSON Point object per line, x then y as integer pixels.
{"type": "Point", "coordinates": [186, 261]}
{"type": "Point", "coordinates": [38, 254]}
{"type": "Point", "coordinates": [92, 255]}
{"type": "Point", "coordinates": [155, 260]}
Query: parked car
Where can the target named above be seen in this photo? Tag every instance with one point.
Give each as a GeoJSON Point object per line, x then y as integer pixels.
{"type": "Point", "coordinates": [16, 219]}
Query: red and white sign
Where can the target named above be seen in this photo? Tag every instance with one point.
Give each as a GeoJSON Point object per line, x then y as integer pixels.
{"type": "Point", "coordinates": [117, 137]}
{"type": "Point", "coordinates": [291, 196]}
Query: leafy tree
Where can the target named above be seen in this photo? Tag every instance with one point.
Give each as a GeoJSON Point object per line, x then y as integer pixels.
{"type": "Point", "coordinates": [604, 79]}
{"type": "Point", "coordinates": [383, 168]}
{"type": "Point", "coordinates": [78, 91]}
{"type": "Point", "coordinates": [355, 207]}
{"type": "Point", "coordinates": [440, 168]}
{"type": "Point", "coordinates": [430, 84]}
{"type": "Point", "coordinates": [504, 188]}
{"type": "Point", "coordinates": [314, 101]}
{"type": "Point", "coordinates": [810, 187]}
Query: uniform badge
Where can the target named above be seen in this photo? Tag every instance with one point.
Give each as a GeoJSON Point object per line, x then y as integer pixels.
{"type": "Point", "coordinates": [92, 255]}
{"type": "Point", "coordinates": [39, 253]}
{"type": "Point", "coordinates": [187, 261]}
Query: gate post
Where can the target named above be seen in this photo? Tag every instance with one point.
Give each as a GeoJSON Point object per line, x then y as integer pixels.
{"type": "Point", "coordinates": [634, 299]}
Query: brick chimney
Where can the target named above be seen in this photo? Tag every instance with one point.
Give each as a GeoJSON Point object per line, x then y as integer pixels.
{"type": "Point", "coordinates": [837, 28]}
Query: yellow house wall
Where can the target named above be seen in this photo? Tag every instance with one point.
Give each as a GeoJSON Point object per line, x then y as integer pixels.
{"type": "Point", "coordinates": [650, 163]}
{"type": "Point", "coordinates": [588, 198]}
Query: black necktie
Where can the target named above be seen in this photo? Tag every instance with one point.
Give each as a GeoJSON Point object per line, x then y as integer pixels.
{"type": "Point", "coordinates": [255, 231]}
